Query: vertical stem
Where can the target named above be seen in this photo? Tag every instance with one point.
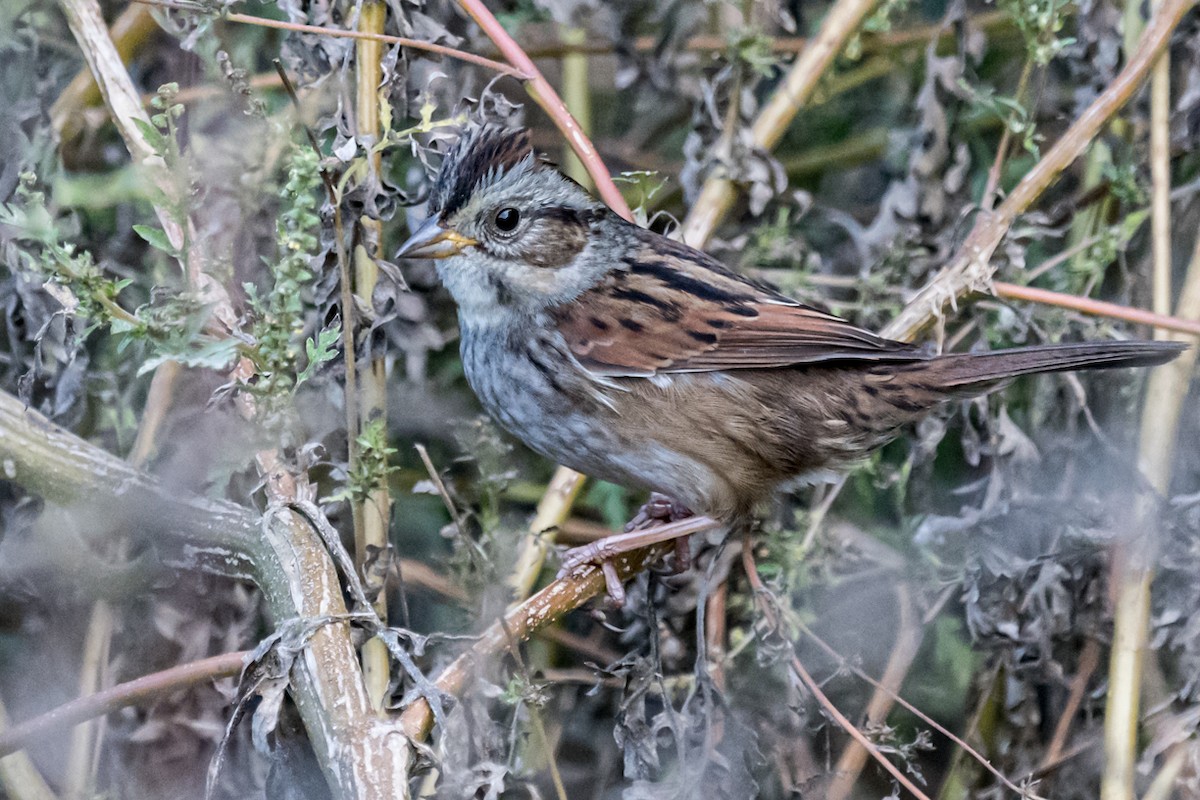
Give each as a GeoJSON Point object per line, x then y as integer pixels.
{"type": "Point", "coordinates": [1133, 564]}
{"type": "Point", "coordinates": [19, 778]}
{"type": "Point", "coordinates": [1160, 172]}
{"type": "Point", "coordinates": [373, 513]}
{"type": "Point", "coordinates": [577, 96]}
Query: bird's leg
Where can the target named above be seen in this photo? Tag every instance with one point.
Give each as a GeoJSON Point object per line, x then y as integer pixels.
{"type": "Point", "coordinates": [659, 520]}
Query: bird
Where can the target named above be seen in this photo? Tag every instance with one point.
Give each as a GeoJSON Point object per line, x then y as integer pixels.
{"type": "Point", "coordinates": [633, 358]}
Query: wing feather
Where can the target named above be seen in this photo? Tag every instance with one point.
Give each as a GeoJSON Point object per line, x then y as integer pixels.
{"type": "Point", "coordinates": [672, 309]}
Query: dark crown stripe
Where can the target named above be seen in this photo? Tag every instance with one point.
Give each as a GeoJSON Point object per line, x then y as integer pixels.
{"type": "Point", "coordinates": [481, 152]}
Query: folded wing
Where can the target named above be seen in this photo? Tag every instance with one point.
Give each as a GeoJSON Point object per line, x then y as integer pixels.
{"type": "Point", "coordinates": [672, 309]}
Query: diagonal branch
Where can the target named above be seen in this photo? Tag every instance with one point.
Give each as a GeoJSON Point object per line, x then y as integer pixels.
{"type": "Point", "coordinates": [718, 192]}
{"type": "Point", "coordinates": [969, 270]}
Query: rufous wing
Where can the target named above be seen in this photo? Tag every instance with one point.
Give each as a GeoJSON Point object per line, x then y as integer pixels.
{"type": "Point", "coordinates": [672, 309]}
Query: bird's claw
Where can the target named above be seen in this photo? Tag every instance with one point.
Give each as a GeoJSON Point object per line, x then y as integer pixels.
{"type": "Point", "coordinates": [649, 526]}
{"type": "Point", "coordinates": [601, 552]}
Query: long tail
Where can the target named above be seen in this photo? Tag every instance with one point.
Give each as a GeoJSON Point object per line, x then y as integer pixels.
{"type": "Point", "coordinates": [978, 372]}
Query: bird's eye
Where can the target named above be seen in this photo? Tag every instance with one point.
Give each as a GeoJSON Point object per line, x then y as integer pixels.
{"type": "Point", "coordinates": [507, 220]}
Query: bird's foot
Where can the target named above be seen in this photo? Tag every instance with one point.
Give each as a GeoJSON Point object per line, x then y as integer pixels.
{"type": "Point", "coordinates": [661, 519]}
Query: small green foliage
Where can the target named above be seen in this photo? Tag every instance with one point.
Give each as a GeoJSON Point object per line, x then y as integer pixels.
{"type": "Point", "coordinates": [162, 135]}
{"type": "Point", "coordinates": [1040, 22]}
{"type": "Point", "coordinates": [645, 185]}
{"type": "Point", "coordinates": [320, 351]}
{"type": "Point", "coordinates": [753, 49]}
{"type": "Point", "coordinates": [279, 315]}
{"type": "Point", "coordinates": [72, 276]}
{"type": "Point", "coordinates": [375, 457]}
{"type": "Point", "coordinates": [1009, 110]}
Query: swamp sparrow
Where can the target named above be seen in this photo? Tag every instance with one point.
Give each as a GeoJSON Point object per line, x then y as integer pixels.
{"type": "Point", "coordinates": [633, 358]}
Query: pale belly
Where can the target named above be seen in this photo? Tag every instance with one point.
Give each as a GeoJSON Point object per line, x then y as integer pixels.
{"type": "Point", "coordinates": [575, 422]}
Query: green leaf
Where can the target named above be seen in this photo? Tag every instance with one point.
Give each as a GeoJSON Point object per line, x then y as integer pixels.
{"type": "Point", "coordinates": [157, 239]}
{"type": "Point", "coordinates": [153, 136]}
{"type": "Point", "coordinates": [319, 351]}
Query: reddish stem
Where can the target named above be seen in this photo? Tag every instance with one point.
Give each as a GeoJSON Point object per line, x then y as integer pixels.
{"type": "Point", "coordinates": [544, 95]}
{"type": "Point", "coordinates": [138, 690]}
{"type": "Point", "coordinates": [415, 44]}
{"type": "Point", "coordinates": [1098, 308]}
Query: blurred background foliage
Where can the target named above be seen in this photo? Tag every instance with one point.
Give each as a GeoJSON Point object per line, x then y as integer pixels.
{"type": "Point", "coordinates": [969, 563]}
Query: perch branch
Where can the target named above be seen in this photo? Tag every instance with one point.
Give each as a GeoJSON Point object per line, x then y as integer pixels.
{"type": "Point", "coordinates": [519, 623]}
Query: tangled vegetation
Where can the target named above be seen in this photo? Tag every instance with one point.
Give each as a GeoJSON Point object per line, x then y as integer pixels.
{"type": "Point", "coordinates": [236, 440]}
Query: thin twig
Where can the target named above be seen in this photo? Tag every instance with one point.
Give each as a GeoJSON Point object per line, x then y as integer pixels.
{"type": "Point", "coordinates": [1089, 659]}
{"type": "Point", "coordinates": [440, 486]}
{"type": "Point", "coordinates": [535, 715]}
{"type": "Point", "coordinates": [131, 693]}
{"type": "Point", "coordinates": [544, 95]}
{"type": "Point", "coordinates": [854, 732]}
{"type": "Point", "coordinates": [414, 43]}
{"type": "Point", "coordinates": [1099, 308]}
{"type": "Point", "coordinates": [994, 172]}
{"type": "Point", "coordinates": [764, 600]}
{"type": "Point", "coordinates": [909, 633]}
{"type": "Point", "coordinates": [918, 713]}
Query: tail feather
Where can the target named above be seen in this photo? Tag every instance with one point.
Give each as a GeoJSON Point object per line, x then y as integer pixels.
{"type": "Point", "coordinates": [971, 371]}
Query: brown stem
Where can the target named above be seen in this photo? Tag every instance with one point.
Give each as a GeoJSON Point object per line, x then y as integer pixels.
{"type": "Point", "coordinates": [908, 641]}
{"type": "Point", "coordinates": [993, 177]}
{"type": "Point", "coordinates": [763, 598]}
{"type": "Point", "coordinates": [1089, 659]}
{"type": "Point", "coordinates": [131, 693]}
{"type": "Point", "coordinates": [854, 732]}
{"type": "Point", "coordinates": [1100, 308]}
